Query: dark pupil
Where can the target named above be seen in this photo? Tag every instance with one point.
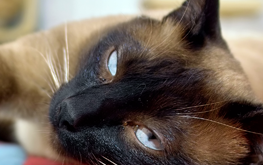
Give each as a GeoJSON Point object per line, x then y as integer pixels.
{"type": "Point", "coordinates": [151, 136]}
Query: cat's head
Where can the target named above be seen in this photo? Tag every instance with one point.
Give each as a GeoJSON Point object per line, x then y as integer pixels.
{"type": "Point", "coordinates": [159, 92]}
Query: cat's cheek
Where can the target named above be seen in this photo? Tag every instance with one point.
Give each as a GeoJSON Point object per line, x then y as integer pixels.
{"type": "Point", "coordinates": [55, 140]}
{"type": "Point", "coordinates": [35, 143]}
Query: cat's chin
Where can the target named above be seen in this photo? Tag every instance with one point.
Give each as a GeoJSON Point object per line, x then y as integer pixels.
{"type": "Point", "coordinates": [69, 152]}
{"type": "Point", "coordinates": [60, 146]}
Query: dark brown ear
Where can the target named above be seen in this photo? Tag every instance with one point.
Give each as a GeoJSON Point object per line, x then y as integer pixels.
{"type": "Point", "coordinates": [251, 118]}
{"type": "Point", "coordinates": [199, 19]}
{"type": "Point", "coordinates": [253, 121]}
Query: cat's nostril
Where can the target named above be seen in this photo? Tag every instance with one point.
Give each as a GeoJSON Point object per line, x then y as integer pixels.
{"type": "Point", "coordinates": [66, 125]}
{"type": "Point", "coordinates": [65, 119]}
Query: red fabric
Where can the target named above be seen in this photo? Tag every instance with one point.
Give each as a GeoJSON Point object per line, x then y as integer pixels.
{"type": "Point", "coordinates": [33, 160]}
{"type": "Point", "coordinates": [40, 161]}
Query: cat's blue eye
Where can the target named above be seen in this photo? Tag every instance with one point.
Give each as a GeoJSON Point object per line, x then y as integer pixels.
{"type": "Point", "coordinates": [113, 62]}
{"type": "Point", "coordinates": [148, 138]}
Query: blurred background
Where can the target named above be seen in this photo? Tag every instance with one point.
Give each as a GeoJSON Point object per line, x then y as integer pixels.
{"type": "Point", "coordinates": [19, 17]}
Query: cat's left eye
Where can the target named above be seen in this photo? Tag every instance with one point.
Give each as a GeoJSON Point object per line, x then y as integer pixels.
{"type": "Point", "coordinates": [148, 138]}
{"type": "Point", "coordinates": [113, 62]}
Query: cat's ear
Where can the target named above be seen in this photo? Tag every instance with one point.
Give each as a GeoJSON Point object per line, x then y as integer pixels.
{"type": "Point", "coordinates": [250, 116]}
{"type": "Point", "coordinates": [198, 18]}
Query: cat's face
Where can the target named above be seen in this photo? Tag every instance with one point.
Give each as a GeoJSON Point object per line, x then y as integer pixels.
{"type": "Point", "coordinates": [158, 92]}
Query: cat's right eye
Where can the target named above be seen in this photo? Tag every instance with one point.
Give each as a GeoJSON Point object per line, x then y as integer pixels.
{"type": "Point", "coordinates": [148, 138]}
{"type": "Point", "coordinates": [109, 67]}
{"type": "Point", "coordinates": [113, 62]}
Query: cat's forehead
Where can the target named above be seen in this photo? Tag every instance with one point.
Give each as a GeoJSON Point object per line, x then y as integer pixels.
{"type": "Point", "coordinates": [158, 38]}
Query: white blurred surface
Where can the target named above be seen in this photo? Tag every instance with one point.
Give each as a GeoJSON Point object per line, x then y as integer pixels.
{"type": "Point", "coordinates": [54, 12]}
{"type": "Point", "coordinates": [243, 24]}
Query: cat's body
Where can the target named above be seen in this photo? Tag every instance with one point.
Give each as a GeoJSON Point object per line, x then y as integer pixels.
{"type": "Point", "coordinates": [176, 82]}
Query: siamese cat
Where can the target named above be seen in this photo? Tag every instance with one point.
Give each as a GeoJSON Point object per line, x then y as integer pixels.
{"type": "Point", "coordinates": [124, 90]}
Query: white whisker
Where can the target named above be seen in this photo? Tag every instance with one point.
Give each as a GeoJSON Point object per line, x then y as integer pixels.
{"type": "Point", "coordinates": [95, 159]}
{"type": "Point", "coordinates": [53, 72]}
{"type": "Point", "coordinates": [109, 160]}
{"type": "Point", "coordinates": [216, 122]}
{"type": "Point", "coordinates": [188, 4]}
{"type": "Point", "coordinates": [101, 162]}
{"type": "Point", "coordinates": [80, 157]}
{"type": "Point", "coordinates": [198, 106]}
{"type": "Point", "coordinates": [65, 66]}
{"type": "Point", "coordinates": [66, 55]}
{"type": "Point", "coordinates": [58, 68]}
{"type": "Point", "coordinates": [51, 88]}
{"type": "Point", "coordinates": [50, 66]}
{"type": "Point", "coordinates": [52, 62]}
{"type": "Point", "coordinates": [189, 113]}
{"type": "Point", "coordinates": [47, 93]}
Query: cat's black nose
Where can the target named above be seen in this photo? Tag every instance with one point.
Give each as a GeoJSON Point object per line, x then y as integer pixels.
{"type": "Point", "coordinates": [66, 118]}
{"type": "Point", "coordinates": [75, 112]}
